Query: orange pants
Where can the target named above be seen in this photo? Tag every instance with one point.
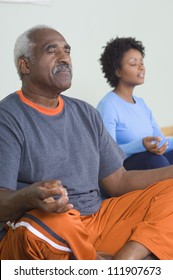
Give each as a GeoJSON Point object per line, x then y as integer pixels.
{"type": "Point", "coordinates": [145, 216]}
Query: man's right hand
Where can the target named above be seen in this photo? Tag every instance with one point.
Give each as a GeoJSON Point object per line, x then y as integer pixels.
{"type": "Point", "coordinates": [40, 195]}
{"type": "Point", "coordinates": [49, 196]}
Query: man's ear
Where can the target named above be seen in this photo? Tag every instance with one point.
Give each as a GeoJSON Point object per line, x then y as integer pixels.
{"type": "Point", "coordinates": [24, 65]}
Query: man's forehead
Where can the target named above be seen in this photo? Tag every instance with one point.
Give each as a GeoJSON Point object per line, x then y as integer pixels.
{"type": "Point", "coordinates": [46, 36]}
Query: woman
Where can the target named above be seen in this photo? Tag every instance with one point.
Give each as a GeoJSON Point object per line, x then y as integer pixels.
{"type": "Point", "coordinates": [127, 118]}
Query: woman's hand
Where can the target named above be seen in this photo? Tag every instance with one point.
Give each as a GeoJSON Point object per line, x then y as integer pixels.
{"type": "Point", "coordinates": [152, 145]}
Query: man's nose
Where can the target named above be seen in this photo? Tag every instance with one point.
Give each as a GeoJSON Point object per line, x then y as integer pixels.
{"type": "Point", "coordinates": [141, 66]}
{"type": "Point", "coordinates": [64, 57]}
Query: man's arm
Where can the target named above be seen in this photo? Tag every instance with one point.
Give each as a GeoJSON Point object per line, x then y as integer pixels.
{"type": "Point", "coordinates": [13, 204]}
{"type": "Point", "coordinates": [122, 181]}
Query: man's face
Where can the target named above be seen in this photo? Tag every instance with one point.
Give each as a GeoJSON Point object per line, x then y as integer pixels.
{"type": "Point", "coordinates": [50, 68]}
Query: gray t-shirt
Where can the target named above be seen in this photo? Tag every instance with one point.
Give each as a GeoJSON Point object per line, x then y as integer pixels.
{"type": "Point", "coordinates": [72, 146]}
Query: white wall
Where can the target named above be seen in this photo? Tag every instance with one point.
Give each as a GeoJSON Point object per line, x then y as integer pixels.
{"type": "Point", "coordinates": [87, 26]}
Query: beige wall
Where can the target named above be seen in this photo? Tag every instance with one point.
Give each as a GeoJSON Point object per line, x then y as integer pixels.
{"type": "Point", "coordinates": [87, 26]}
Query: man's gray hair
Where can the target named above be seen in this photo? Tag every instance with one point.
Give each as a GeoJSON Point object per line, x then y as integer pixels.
{"type": "Point", "coordinates": [24, 46]}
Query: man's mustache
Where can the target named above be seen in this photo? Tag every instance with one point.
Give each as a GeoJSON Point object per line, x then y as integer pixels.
{"type": "Point", "coordinates": [62, 68]}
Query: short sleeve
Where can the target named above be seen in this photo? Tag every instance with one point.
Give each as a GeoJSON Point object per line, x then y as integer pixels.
{"type": "Point", "coordinates": [10, 151]}
{"type": "Point", "coordinates": [111, 155]}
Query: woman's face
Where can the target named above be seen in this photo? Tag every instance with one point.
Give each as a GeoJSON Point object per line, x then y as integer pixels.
{"type": "Point", "coordinates": [132, 70]}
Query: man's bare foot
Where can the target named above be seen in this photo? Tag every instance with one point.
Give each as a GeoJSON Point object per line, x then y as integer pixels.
{"type": "Point", "coordinates": [103, 256]}
{"type": "Point", "coordinates": [151, 257]}
{"type": "Point", "coordinates": [132, 250]}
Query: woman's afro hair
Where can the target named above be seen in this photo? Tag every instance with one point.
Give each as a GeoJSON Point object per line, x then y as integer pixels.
{"type": "Point", "coordinates": [113, 53]}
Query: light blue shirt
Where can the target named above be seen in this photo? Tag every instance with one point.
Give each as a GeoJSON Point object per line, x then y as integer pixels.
{"type": "Point", "coordinates": [128, 123]}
